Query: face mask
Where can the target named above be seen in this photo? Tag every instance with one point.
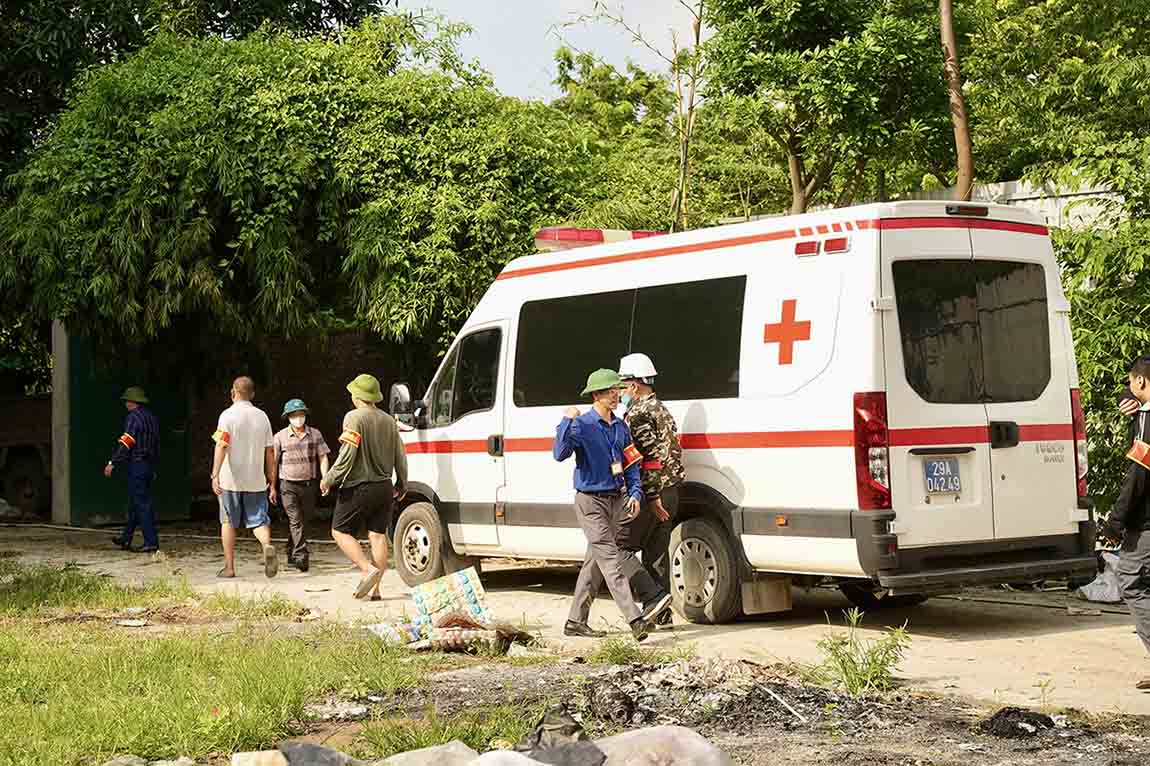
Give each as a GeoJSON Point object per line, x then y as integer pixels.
{"type": "Point", "coordinates": [627, 399]}
{"type": "Point", "coordinates": [297, 421]}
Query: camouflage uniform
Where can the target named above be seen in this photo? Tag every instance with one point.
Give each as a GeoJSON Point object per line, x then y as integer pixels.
{"type": "Point", "coordinates": [657, 437]}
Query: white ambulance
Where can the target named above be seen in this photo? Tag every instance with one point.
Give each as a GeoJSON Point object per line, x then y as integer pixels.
{"type": "Point", "coordinates": [881, 397]}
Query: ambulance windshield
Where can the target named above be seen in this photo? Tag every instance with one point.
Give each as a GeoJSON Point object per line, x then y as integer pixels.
{"type": "Point", "coordinates": [973, 331]}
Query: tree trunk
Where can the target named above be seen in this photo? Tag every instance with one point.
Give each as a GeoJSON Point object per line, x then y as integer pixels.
{"type": "Point", "coordinates": [965, 182]}
{"type": "Point", "coordinates": [798, 183]}
{"type": "Point", "coordinates": [880, 182]}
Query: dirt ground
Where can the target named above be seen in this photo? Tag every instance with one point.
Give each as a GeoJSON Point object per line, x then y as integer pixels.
{"type": "Point", "coordinates": [988, 646]}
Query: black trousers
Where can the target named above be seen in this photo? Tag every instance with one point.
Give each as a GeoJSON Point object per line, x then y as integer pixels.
{"type": "Point", "coordinates": [647, 535]}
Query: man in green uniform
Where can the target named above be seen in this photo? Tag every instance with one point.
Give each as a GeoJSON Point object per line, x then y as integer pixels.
{"type": "Point", "coordinates": [370, 452]}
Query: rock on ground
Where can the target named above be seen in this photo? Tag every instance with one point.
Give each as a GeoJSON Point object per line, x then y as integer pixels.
{"type": "Point", "coordinates": [662, 746]}
{"type": "Point", "coordinates": [505, 758]}
{"type": "Point", "coordinates": [309, 754]}
{"type": "Point", "coordinates": [185, 761]}
{"type": "Point", "coordinates": [452, 754]}
{"type": "Point", "coordinates": [262, 758]}
{"type": "Point", "coordinates": [126, 760]}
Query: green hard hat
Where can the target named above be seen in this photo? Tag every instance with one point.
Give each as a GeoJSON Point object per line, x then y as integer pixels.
{"type": "Point", "coordinates": [601, 380]}
{"type": "Point", "coordinates": [294, 405]}
{"type": "Point", "coordinates": [365, 388]}
{"type": "Point", "coordinates": [134, 394]}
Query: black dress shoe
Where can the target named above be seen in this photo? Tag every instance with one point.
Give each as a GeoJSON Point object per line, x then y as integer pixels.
{"type": "Point", "coordinates": [640, 629]}
{"type": "Point", "coordinates": [582, 630]}
{"type": "Point", "coordinates": [665, 618]}
{"type": "Point", "coordinates": [143, 549]}
{"type": "Point", "coordinates": [119, 543]}
{"type": "Point", "coordinates": [300, 564]}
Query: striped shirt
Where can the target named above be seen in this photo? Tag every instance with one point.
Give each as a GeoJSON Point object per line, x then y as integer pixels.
{"type": "Point", "coordinates": [298, 454]}
{"type": "Point", "coordinates": [140, 442]}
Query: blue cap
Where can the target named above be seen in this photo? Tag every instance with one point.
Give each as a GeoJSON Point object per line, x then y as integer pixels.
{"type": "Point", "coordinates": [294, 405]}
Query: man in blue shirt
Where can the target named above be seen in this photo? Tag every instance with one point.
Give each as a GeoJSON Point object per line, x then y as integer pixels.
{"type": "Point", "coordinates": [608, 489]}
{"type": "Point", "coordinates": [137, 450]}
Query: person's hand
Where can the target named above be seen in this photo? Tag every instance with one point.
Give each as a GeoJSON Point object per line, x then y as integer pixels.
{"type": "Point", "coordinates": [273, 496]}
{"type": "Point", "coordinates": [324, 488]}
{"type": "Point", "coordinates": [1129, 406]}
{"type": "Point", "coordinates": [400, 494]}
{"type": "Point", "coordinates": [108, 471]}
{"type": "Point", "coordinates": [660, 512]}
{"type": "Point", "coordinates": [632, 508]}
{"type": "Point", "coordinates": [571, 412]}
{"type": "Point", "coordinates": [216, 486]}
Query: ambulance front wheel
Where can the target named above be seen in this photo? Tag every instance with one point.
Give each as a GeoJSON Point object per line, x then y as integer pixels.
{"type": "Point", "coordinates": [704, 577]}
{"type": "Point", "coordinates": [419, 542]}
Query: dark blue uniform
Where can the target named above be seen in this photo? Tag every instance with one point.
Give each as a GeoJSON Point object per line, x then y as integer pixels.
{"type": "Point", "coordinates": [138, 449]}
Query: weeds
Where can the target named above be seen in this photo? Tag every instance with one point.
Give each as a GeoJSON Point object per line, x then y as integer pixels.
{"type": "Point", "coordinates": [81, 695]}
{"type": "Point", "coordinates": [624, 651]}
{"type": "Point", "coordinates": [859, 666]}
{"type": "Point", "coordinates": [28, 591]}
{"type": "Point", "coordinates": [274, 606]}
{"type": "Point", "coordinates": [480, 730]}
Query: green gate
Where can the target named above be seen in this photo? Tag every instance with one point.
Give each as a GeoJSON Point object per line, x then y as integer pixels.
{"type": "Point", "coordinates": [97, 420]}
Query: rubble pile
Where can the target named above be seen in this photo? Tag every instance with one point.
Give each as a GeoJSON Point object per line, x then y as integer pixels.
{"type": "Point", "coordinates": [720, 695]}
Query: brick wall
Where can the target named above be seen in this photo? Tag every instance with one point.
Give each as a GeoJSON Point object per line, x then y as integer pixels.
{"type": "Point", "coordinates": [284, 370]}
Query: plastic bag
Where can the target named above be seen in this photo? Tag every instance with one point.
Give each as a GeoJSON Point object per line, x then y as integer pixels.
{"type": "Point", "coordinates": [1104, 588]}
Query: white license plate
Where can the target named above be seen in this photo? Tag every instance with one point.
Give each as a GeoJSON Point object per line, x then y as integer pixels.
{"type": "Point", "coordinates": [942, 476]}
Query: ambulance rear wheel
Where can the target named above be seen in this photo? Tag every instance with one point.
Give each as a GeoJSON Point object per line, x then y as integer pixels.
{"type": "Point", "coordinates": [869, 598]}
{"type": "Point", "coordinates": [419, 543]}
{"type": "Point", "coordinates": [704, 578]}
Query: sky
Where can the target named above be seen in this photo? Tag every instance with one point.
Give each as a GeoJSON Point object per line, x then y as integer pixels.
{"type": "Point", "coordinates": [515, 40]}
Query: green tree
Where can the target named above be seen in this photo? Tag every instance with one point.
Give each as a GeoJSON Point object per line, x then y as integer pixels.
{"type": "Point", "coordinates": [279, 186]}
{"type": "Point", "coordinates": [834, 83]}
{"type": "Point", "coordinates": [45, 44]}
{"type": "Point", "coordinates": [1059, 95]}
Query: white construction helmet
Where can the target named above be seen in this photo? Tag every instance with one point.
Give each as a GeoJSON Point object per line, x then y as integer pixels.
{"type": "Point", "coordinates": [637, 367]}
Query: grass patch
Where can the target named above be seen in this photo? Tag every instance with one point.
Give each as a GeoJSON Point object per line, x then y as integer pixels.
{"type": "Point", "coordinates": [273, 606]}
{"type": "Point", "coordinates": [478, 729]}
{"type": "Point", "coordinates": [29, 591]}
{"type": "Point", "coordinates": [77, 695]}
{"type": "Point", "coordinates": [615, 650]}
{"type": "Point", "coordinates": [43, 590]}
{"type": "Point", "coordinates": [855, 665]}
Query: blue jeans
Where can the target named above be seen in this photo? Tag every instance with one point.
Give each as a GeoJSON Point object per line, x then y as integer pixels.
{"type": "Point", "coordinates": [140, 513]}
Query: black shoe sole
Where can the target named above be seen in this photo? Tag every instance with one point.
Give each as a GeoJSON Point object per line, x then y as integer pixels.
{"type": "Point", "coordinates": [586, 633]}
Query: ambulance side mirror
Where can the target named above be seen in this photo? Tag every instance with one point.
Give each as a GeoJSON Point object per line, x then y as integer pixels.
{"type": "Point", "coordinates": [399, 404]}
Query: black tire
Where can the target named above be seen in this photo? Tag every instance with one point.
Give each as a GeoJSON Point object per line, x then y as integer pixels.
{"type": "Point", "coordinates": [419, 541]}
{"type": "Point", "coordinates": [866, 597]}
{"type": "Point", "coordinates": [704, 578]}
{"type": "Point", "coordinates": [24, 485]}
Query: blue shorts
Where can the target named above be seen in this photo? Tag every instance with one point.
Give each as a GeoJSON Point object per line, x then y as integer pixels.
{"type": "Point", "coordinates": [246, 510]}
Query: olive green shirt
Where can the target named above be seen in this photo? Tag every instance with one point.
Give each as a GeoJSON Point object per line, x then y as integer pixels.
{"type": "Point", "coordinates": [370, 450]}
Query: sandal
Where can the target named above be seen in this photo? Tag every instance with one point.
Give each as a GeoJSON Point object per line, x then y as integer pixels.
{"type": "Point", "coordinates": [368, 583]}
{"type": "Point", "coordinates": [223, 573]}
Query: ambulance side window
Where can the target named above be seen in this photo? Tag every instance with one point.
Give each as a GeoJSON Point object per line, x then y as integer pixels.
{"type": "Point", "coordinates": [478, 373]}
{"type": "Point", "coordinates": [562, 340]}
{"type": "Point", "coordinates": [692, 332]}
{"type": "Point", "coordinates": [467, 380]}
{"type": "Point", "coordinates": [442, 392]}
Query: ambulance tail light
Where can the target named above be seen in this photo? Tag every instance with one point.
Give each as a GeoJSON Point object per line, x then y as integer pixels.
{"type": "Point", "coordinates": [872, 451]}
{"type": "Point", "coordinates": [1081, 463]}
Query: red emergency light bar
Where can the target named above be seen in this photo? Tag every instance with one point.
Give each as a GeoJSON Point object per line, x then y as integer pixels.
{"type": "Point", "coordinates": [565, 238]}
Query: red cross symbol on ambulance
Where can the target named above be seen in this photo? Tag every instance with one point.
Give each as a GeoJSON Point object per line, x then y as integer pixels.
{"type": "Point", "coordinates": [787, 332]}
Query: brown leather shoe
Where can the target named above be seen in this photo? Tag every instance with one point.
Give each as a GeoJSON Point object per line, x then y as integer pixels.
{"type": "Point", "coordinates": [1144, 684]}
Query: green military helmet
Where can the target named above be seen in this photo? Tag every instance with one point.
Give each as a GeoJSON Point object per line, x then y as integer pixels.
{"type": "Point", "coordinates": [601, 380]}
{"type": "Point", "coordinates": [365, 388]}
{"type": "Point", "coordinates": [134, 394]}
{"type": "Point", "coordinates": [294, 405]}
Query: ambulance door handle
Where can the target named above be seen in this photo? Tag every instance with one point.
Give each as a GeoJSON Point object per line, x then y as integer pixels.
{"type": "Point", "coordinates": [1003, 434]}
{"type": "Point", "coordinates": [495, 445]}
